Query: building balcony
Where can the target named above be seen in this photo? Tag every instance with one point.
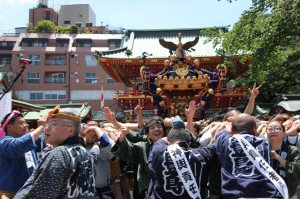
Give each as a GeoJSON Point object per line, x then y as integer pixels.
{"type": "Point", "coordinates": [55, 80]}
{"type": "Point", "coordinates": [5, 62]}
{"type": "Point", "coordinates": [6, 47]}
{"type": "Point", "coordinates": [55, 62]}
{"type": "Point", "coordinates": [58, 44]}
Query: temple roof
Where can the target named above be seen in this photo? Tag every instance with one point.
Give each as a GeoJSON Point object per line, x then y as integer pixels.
{"type": "Point", "coordinates": [123, 64]}
{"type": "Point", "coordinates": [290, 106]}
{"type": "Point", "coordinates": [83, 109]}
{"type": "Point", "coordinates": [138, 41]}
{"type": "Point", "coordinates": [25, 106]}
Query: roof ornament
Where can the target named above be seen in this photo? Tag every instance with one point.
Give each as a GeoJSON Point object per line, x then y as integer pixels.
{"type": "Point", "coordinates": [179, 48]}
{"type": "Point", "coordinates": [128, 52]}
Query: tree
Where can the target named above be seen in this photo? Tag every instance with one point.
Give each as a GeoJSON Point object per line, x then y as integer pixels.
{"type": "Point", "coordinates": [30, 28]}
{"type": "Point", "coordinates": [268, 35]}
{"type": "Point", "coordinates": [46, 26]}
{"type": "Point", "coordinates": [74, 29]}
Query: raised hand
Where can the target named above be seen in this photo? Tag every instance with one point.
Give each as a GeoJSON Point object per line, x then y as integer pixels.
{"type": "Point", "coordinates": [138, 109]}
{"type": "Point", "coordinates": [190, 112]}
{"type": "Point", "coordinates": [295, 128]}
{"type": "Point", "coordinates": [43, 120]}
{"type": "Point", "coordinates": [109, 115]}
{"type": "Point", "coordinates": [254, 91]}
{"type": "Point", "coordinates": [124, 131]}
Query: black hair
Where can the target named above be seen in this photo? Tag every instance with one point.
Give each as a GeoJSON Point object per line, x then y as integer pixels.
{"type": "Point", "coordinates": [154, 120]}
{"type": "Point", "coordinates": [11, 121]}
{"type": "Point", "coordinates": [181, 135]}
{"type": "Point", "coordinates": [231, 113]}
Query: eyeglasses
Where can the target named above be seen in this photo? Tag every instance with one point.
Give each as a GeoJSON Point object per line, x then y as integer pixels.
{"type": "Point", "coordinates": [55, 124]}
{"type": "Point", "coordinates": [275, 129]}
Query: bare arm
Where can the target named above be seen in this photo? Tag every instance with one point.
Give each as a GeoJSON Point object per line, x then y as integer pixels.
{"type": "Point", "coordinates": [111, 118]}
{"type": "Point", "coordinates": [139, 112]}
{"type": "Point", "coordinates": [124, 132]}
{"type": "Point", "coordinates": [41, 123]}
{"type": "Point", "coordinates": [189, 113]}
{"type": "Point", "coordinates": [253, 94]}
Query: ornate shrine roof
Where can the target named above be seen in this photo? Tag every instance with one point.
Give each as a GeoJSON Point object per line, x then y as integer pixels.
{"type": "Point", "coordinates": [123, 64]}
{"type": "Point", "coordinates": [139, 41]}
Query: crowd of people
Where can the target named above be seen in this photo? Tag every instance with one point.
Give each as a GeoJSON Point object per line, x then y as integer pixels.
{"type": "Point", "coordinates": [238, 156]}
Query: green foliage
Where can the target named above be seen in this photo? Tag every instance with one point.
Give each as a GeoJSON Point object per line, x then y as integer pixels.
{"type": "Point", "coordinates": [46, 26]}
{"type": "Point", "coordinates": [268, 36]}
{"type": "Point", "coordinates": [215, 35]}
{"type": "Point", "coordinates": [62, 29]}
{"type": "Point", "coordinates": [30, 28]}
{"type": "Point", "coordinates": [74, 29]}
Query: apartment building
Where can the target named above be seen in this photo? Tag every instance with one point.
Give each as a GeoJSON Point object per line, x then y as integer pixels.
{"type": "Point", "coordinates": [42, 13]}
{"type": "Point", "coordinates": [81, 15]}
{"type": "Point", "coordinates": [7, 44]}
{"type": "Point", "coordinates": [63, 68]}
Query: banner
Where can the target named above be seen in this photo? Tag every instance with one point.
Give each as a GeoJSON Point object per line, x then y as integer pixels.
{"type": "Point", "coordinates": [5, 105]}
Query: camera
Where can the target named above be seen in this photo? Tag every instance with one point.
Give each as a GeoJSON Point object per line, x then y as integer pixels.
{"type": "Point", "coordinates": [25, 61]}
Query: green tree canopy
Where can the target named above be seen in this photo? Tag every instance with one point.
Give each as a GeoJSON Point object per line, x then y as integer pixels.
{"type": "Point", "coordinates": [46, 26]}
{"type": "Point", "coordinates": [269, 36]}
{"type": "Point", "coordinates": [74, 29]}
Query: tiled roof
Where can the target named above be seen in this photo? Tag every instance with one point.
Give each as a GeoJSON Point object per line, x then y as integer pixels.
{"type": "Point", "coordinates": [84, 110]}
{"type": "Point", "coordinates": [26, 105]}
{"type": "Point", "coordinates": [34, 115]}
{"type": "Point", "coordinates": [148, 41]}
{"type": "Point", "coordinates": [290, 106]}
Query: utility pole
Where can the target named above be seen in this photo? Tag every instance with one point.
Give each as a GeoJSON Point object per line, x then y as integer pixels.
{"type": "Point", "coordinates": [69, 54]}
{"type": "Point", "coordinates": [69, 77]}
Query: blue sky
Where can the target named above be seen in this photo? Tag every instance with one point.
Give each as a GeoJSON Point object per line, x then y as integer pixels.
{"type": "Point", "coordinates": [136, 14]}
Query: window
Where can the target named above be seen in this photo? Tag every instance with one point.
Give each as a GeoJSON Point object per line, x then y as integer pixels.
{"type": "Point", "coordinates": [3, 43]}
{"type": "Point", "coordinates": [109, 80]}
{"type": "Point", "coordinates": [6, 45]}
{"type": "Point", "coordinates": [79, 24]}
{"type": "Point", "coordinates": [33, 78]}
{"type": "Point", "coordinates": [90, 60]}
{"type": "Point", "coordinates": [47, 16]}
{"type": "Point", "coordinates": [89, 24]}
{"type": "Point", "coordinates": [42, 95]}
{"type": "Point", "coordinates": [62, 44]}
{"type": "Point", "coordinates": [55, 95]}
{"type": "Point", "coordinates": [58, 78]}
{"type": "Point", "coordinates": [35, 60]}
{"type": "Point", "coordinates": [36, 96]}
{"type": "Point", "coordinates": [67, 22]}
{"type": "Point", "coordinates": [91, 78]}
{"type": "Point", "coordinates": [83, 44]}
{"type": "Point", "coordinates": [6, 61]}
{"type": "Point", "coordinates": [38, 44]}
{"type": "Point", "coordinates": [55, 60]}
{"type": "Point", "coordinates": [112, 44]}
